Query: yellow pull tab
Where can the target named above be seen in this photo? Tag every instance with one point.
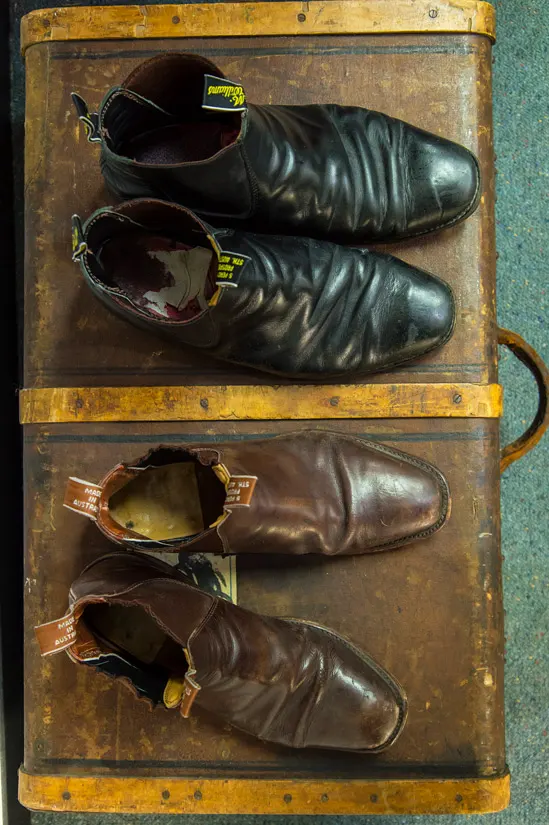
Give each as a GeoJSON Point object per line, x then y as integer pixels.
{"type": "Point", "coordinates": [173, 692]}
{"type": "Point", "coordinates": [79, 245]}
{"type": "Point", "coordinates": [182, 692]}
{"type": "Point", "coordinates": [90, 120]}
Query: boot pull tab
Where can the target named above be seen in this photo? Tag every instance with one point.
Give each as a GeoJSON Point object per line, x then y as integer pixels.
{"type": "Point", "coordinates": [182, 693]}
{"type": "Point", "coordinates": [89, 119]}
{"type": "Point", "coordinates": [223, 95]}
{"type": "Point", "coordinates": [79, 245]}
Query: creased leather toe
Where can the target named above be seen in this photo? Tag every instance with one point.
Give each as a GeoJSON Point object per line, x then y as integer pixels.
{"type": "Point", "coordinates": [360, 706]}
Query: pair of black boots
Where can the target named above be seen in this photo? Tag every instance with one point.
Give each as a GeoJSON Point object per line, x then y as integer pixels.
{"type": "Point", "coordinates": [281, 296]}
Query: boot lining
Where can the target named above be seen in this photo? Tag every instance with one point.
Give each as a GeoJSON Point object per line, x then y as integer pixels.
{"type": "Point", "coordinates": [169, 279]}
{"type": "Point", "coordinates": [147, 133]}
{"type": "Point", "coordinates": [172, 501]}
{"type": "Point", "coordinates": [131, 631]}
{"type": "Point", "coordinates": [180, 143]}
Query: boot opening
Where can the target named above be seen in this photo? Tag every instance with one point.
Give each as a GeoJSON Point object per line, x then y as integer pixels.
{"type": "Point", "coordinates": [134, 647]}
{"type": "Point", "coordinates": [168, 274]}
{"type": "Point", "coordinates": [180, 143]}
{"type": "Point", "coordinates": [168, 279]}
{"type": "Point", "coordinates": [174, 497]}
{"type": "Point", "coordinates": [133, 631]}
{"type": "Point", "coordinates": [158, 118]}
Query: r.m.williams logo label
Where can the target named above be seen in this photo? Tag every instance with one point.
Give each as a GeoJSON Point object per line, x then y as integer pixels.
{"type": "Point", "coordinates": [223, 95]}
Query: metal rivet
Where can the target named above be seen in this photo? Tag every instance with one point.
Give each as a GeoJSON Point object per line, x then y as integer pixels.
{"type": "Point", "coordinates": [66, 796]}
{"type": "Point", "coordinates": [301, 17]}
{"type": "Point", "coordinates": [175, 19]}
{"type": "Point", "coordinates": [324, 797]}
{"type": "Point", "coordinates": [198, 795]}
{"type": "Point", "coordinates": [204, 403]}
{"type": "Point", "coordinates": [287, 798]}
{"type": "Point", "coordinates": [459, 797]}
{"type": "Point", "coordinates": [433, 13]}
{"type": "Point", "coordinates": [457, 398]}
{"type": "Point", "coordinates": [373, 797]}
{"type": "Point", "coordinates": [79, 403]}
{"type": "Point", "coordinates": [334, 401]}
{"type": "Point", "coordinates": [165, 794]}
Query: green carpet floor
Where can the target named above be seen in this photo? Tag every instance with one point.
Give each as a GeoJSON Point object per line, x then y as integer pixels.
{"type": "Point", "coordinates": [521, 115]}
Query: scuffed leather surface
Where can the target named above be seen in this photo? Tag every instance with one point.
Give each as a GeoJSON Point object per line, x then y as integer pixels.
{"type": "Point", "coordinates": [284, 681]}
{"type": "Point", "coordinates": [333, 172]}
{"type": "Point", "coordinates": [318, 492]}
{"type": "Point", "coordinates": [309, 309]}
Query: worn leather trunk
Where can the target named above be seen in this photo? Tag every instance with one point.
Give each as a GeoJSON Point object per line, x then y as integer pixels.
{"type": "Point", "coordinates": [431, 612]}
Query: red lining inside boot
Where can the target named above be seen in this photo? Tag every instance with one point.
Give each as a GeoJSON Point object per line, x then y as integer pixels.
{"type": "Point", "coordinates": [159, 276]}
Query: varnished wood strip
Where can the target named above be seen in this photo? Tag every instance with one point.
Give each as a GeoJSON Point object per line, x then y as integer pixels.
{"type": "Point", "coordinates": [252, 19]}
{"type": "Point", "coordinates": [147, 795]}
{"type": "Point", "coordinates": [219, 403]}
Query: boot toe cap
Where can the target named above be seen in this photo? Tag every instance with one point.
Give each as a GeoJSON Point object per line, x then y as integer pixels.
{"type": "Point", "coordinates": [416, 315]}
{"type": "Point", "coordinates": [407, 499]}
{"type": "Point", "coordinates": [444, 184]}
{"type": "Point", "coordinates": [364, 710]}
{"type": "Point", "coordinates": [431, 314]}
{"type": "Point", "coordinates": [424, 502]}
{"type": "Point", "coordinates": [380, 721]}
{"type": "Point", "coordinates": [456, 178]}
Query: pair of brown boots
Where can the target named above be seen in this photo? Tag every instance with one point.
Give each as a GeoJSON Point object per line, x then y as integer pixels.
{"type": "Point", "coordinates": [286, 681]}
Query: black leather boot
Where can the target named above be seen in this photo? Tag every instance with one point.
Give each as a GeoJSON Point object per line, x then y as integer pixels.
{"type": "Point", "coordinates": [291, 306]}
{"type": "Point", "coordinates": [176, 130]}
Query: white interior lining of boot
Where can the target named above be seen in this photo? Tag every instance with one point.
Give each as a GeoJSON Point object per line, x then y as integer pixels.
{"type": "Point", "coordinates": [189, 271]}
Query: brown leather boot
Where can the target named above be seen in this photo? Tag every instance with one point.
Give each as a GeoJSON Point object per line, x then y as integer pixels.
{"type": "Point", "coordinates": [286, 681]}
{"type": "Point", "coordinates": [305, 492]}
